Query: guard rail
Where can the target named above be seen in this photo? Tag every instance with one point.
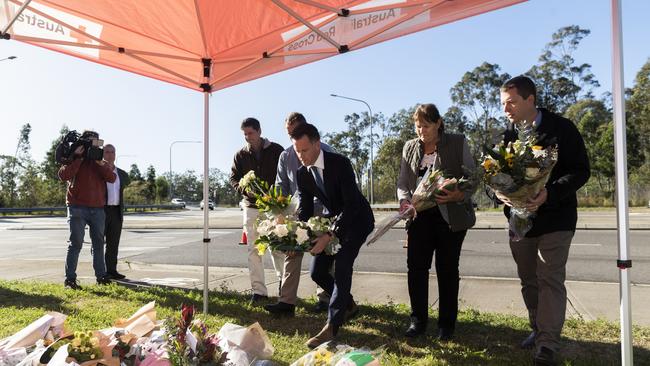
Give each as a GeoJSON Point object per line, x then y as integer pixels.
{"type": "Point", "coordinates": [52, 210]}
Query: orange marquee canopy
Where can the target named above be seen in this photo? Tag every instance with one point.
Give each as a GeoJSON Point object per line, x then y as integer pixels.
{"type": "Point", "coordinates": [209, 45]}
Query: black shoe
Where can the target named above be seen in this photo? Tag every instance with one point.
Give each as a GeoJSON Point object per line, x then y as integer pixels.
{"type": "Point", "coordinates": [544, 357]}
{"type": "Point", "coordinates": [104, 280]}
{"type": "Point", "coordinates": [529, 342]}
{"type": "Point", "coordinates": [321, 307]}
{"type": "Point", "coordinates": [281, 308]}
{"type": "Point", "coordinates": [257, 298]}
{"type": "Point", "coordinates": [445, 334]}
{"type": "Point", "coordinates": [71, 284]}
{"type": "Point", "coordinates": [415, 328]}
{"type": "Point", "coordinates": [115, 275]}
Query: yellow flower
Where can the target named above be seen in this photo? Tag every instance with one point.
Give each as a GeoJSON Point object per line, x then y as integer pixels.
{"type": "Point", "coordinates": [490, 164]}
{"type": "Point", "coordinates": [261, 248]}
{"type": "Point", "coordinates": [323, 357]}
{"type": "Point", "coordinates": [536, 147]}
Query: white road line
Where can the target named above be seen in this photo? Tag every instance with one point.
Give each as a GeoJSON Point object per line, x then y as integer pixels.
{"type": "Point", "coordinates": [171, 281]}
{"type": "Point", "coordinates": [156, 238]}
{"type": "Point", "coordinates": [137, 249]}
{"type": "Point", "coordinates": [122, 249]}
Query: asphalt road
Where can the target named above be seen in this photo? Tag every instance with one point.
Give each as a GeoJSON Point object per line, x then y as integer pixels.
{"type": "Point", "coordinates": [485, 252]}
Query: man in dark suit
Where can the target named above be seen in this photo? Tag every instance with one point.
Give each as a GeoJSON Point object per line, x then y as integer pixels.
{"type": "Point", "coordinates": [330, 178]}
{"type": "Point", "coordinates": [114, 210]}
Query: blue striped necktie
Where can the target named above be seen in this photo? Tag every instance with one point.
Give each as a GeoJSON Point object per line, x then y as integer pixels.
{"type": "Point", "coordinates": [318, 179]}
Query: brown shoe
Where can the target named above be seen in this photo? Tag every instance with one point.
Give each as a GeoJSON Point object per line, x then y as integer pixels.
{"type": "Point", "coordinates": [325, 335]}
{"type": "Point", "coordinates": [351, 311]}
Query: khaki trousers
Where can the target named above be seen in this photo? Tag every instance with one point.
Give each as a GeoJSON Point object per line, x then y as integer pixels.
{"type": "Point", "coordinates": [541, 266]}
{"type": "Point", "coordinates": [255, 263]}
{"type": "Point", "coordinates": [291, 278]}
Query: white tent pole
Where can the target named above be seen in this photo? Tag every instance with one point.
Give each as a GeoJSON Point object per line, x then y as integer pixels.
{"type": "Point", "coordinates": [206, 181]}
{"type": "Point", "coordinates": [207, 71]}
{"type": "Point", "coordinates": [623, 263]}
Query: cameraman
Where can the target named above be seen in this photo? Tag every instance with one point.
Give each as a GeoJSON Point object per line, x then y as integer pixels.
{"type": "Point", "coordinates": [85, 198]}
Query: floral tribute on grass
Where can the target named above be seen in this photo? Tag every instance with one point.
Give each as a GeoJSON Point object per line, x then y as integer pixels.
{"type": "Point", "coordinates": [333, 354]}
{"type": "Point", "coordinates": [189, 343]}
{"type": "Point", "coordinates": [141, 340]}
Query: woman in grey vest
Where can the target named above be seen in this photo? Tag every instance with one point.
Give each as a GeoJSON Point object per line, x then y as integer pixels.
{"type": "Point", "coordinates": [440, 229]}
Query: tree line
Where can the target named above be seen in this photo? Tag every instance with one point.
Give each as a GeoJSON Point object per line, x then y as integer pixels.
{"type": "Point", "coordinates": [27, 183]}
{"type": "Point", "coordinates": [565, 86]}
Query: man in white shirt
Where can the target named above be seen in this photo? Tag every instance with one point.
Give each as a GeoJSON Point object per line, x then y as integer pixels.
{"type": "Point", "coordinates": [114, 210]}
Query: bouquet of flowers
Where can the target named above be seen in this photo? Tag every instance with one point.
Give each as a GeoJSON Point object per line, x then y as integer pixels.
{"type": "Point", "coordinates": [332, 354]}
{"type": "Point", "coordinates": [319, 226]}
{"type": "Point", "coordinates": [518, 171]}
{"type": "Point", "coordinates": [290, 235]}
{"type": "Point", "coordinates": [267, 199]}
{"type": "Point", "coordinates": [82, 346]}
{"type": "Point", "coordinates": [432, 183]}
{"type": "Point", "coordinates": [189, 343]}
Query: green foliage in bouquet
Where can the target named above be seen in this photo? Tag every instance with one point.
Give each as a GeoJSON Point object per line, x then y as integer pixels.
{"type": "Point", "coordinates": [285, 234]}
{"type": "Point", "coordinates": [319, 226]}
{"type": "Point", "coordinates": [290, 235]}
{"type": "Point", "coordinates": [180, 329]}
{"type": "Point", "coordinates": [507, 167]}
{"type": "Point", "coordinates": [437, 177]}
{"type": "Point", "coordinates": [267, 199]}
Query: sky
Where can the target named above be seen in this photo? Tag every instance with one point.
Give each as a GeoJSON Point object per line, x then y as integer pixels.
{"type": "Point", "coordinates": [142, 116]}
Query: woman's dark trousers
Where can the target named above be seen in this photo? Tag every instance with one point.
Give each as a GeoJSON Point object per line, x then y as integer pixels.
{"type": "Point", "coordinates": [429, 233]}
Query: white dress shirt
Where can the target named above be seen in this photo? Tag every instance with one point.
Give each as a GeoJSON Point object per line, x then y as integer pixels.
{"type": "Point", "coordinates": [113, 190]}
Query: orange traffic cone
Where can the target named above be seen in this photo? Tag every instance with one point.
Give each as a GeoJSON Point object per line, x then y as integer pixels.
{"type": "Point", "coordinates": [244, 238]}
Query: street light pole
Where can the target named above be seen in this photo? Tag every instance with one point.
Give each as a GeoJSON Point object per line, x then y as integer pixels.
{"type": "Point", "coordinates": [171, 184]}
{"type": "Point", "coordinates": [372, 189]}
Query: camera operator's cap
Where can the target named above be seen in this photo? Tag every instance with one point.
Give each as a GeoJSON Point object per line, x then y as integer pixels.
{"type": "Point", "coordinates": [88, 134]}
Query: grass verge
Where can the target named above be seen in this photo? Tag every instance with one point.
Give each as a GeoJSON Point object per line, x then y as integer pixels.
{"type": "Point", "coordinates": [481, 338]}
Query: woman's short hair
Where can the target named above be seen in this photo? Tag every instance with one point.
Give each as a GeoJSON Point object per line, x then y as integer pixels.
{"type": "Point", "coordinates": [428, 113]}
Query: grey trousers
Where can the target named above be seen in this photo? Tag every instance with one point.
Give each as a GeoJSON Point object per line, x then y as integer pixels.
{"type": "Point", "coordinates": [541, 266]}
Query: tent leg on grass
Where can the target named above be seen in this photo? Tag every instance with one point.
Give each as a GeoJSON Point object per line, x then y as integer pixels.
{"type": "Point", "coordinates": [206, 176]}
{"type": "Point", "coordinates": [623, 262]}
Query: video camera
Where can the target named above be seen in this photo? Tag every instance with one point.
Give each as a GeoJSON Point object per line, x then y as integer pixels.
{"type": "Point", "coordinates": [72, 140]}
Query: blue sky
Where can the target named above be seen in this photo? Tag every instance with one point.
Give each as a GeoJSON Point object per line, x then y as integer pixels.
{"type": "Point", "coordinates": [142, 116]}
